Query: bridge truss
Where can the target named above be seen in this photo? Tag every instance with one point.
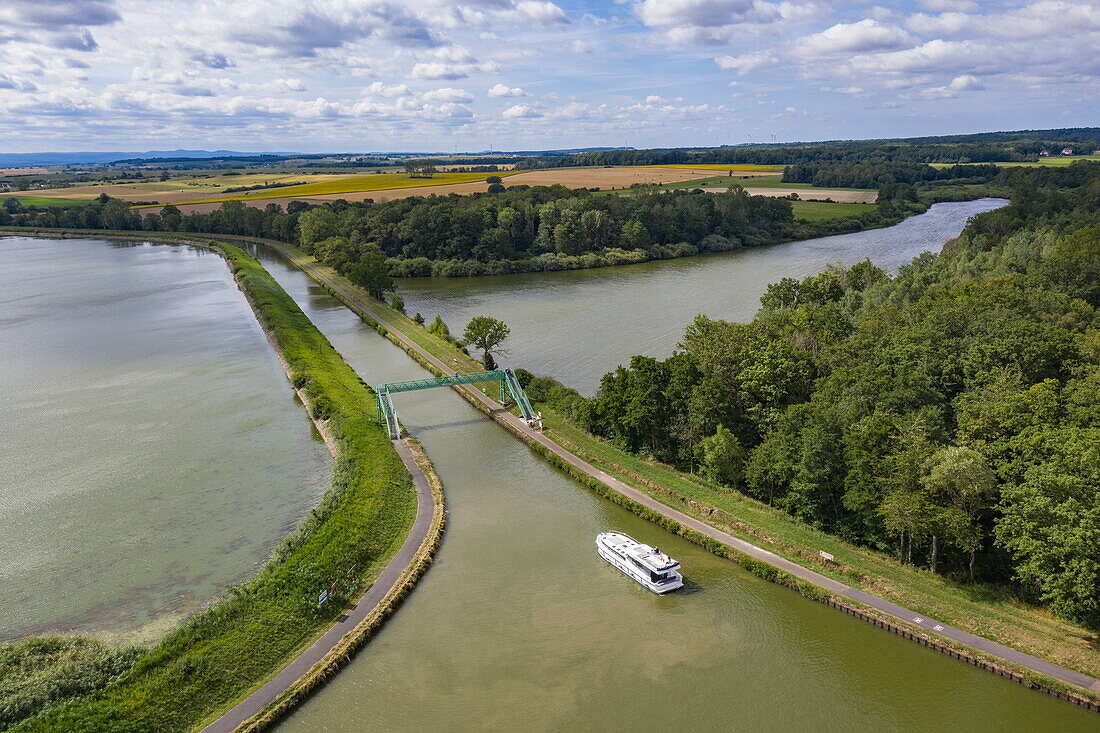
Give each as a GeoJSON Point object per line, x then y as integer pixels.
{"type": "Point", "coordinates": [510, 392]}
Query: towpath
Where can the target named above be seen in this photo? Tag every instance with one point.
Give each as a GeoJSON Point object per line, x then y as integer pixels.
{"type": "Point", "coordinates": [378, 591]}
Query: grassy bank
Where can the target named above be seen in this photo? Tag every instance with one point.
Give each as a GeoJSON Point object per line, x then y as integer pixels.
{"type": "Point", "coordinates": [984, 610]}
{"type": "Point", "coordinates": [219, 655]}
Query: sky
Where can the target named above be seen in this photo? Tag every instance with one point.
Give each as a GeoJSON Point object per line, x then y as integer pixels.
{"type": "Point", "coordinates": [472, 75]}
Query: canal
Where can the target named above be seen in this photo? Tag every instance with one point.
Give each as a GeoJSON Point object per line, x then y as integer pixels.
{"type": "Point", "coordinates": [152, 450]}
{"type": "Point", "coordinates": [519, 624]}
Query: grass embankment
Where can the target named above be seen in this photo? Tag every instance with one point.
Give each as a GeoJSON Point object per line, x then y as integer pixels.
{"type": "Point", "coordinates": [38, 672]}
{"type": "Point", "coordinates": [353, 184]}
{"type": "Point", "coordinates": [983, 610]}
{"type": "Point", "coordinates": [221, 654]}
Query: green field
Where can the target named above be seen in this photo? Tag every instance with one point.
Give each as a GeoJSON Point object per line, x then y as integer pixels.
{"type": "Point", "coordinates": [46, 201]}
{"type": "Point", "coordinates": [818, 210]}
{"type": "Point", "coordinates": [1056, 161]}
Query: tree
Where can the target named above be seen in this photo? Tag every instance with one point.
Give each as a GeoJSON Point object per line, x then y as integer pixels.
{"type": "Point", "coordinates": [370, 273]}
{"type": "Point", "coordinates": [316, 224]}
{"type": "Point", "coordinates": [486, 334]}
{"type": "Point", "coordinates": [722, 459]}
{"type": "Point", "coordinates": [420, 168]}
{"type": "Point", "coordinates": [493, 179]}
{"type": "Point", "coordinates": [961, 478]}
{"type": "Point", "coordinates": [438, 328]}
{"type": "Point", "coordinates": [496, 188]}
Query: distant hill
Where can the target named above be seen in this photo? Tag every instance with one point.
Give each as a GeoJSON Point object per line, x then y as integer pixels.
{"type": "Point", "coordinates": [19, 160]}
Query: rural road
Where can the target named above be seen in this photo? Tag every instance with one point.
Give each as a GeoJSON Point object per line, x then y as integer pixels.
{"type": "Point", "coordinates": [520, 427]}
{"type": "Point", "coordinates": [290, 674]}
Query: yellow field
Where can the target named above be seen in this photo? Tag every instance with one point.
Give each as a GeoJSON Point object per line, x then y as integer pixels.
{"type": "Point", "coordinates": [353, 184]}
{"type": "Point", "coordinates": [219, 183]}
{"type": "Point", "coordinates": [723, 167]}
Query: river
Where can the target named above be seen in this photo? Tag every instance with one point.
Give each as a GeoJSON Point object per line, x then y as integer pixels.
{"type": "Point", "coordinates": [520, 625]}
{"type": "Point", "coordinates": [580, 324]}
{"type": "Point", "coordinates": [152, 450]}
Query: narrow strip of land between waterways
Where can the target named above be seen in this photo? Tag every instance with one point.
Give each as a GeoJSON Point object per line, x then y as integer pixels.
{"type": "Point", "coordinates": [929, 626]}
{"type": "Point", "coordinates": [378, 524]}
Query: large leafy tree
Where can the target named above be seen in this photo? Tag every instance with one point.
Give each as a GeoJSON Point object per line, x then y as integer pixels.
{"type": "Point", "coordinates": [486, 334]}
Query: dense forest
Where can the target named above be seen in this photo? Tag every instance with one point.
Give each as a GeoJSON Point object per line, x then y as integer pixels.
{"type": "Point", "coordinates": [521, 229]}
{"type": "Point", "coordinates": [980, 148]}
{"type": "Point", "coordinates": [876, 175]}
{"type": "Point", "coordinates": [949, 414]}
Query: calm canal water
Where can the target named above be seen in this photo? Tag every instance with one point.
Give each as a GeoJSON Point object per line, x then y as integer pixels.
{"type": "Point", "coordinates": [152, 450]}
{"type": "Point", "coordinates": [520, 625]}
{"type": "Point", "coordinates": [578, 325]}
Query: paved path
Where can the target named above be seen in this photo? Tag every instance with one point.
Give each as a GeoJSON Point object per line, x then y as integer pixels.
{"type": "Point", "coordinates": [904, 614]}
{"type": "Point", "coordinates": [290, 674]}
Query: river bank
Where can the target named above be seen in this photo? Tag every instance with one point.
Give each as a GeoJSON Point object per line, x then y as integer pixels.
{"type": "Point", "coordinates": [980, 614]}
{"type": "Point", "coordinates": [351, 538]}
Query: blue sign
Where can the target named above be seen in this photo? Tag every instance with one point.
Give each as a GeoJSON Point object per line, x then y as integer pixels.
{"type": "Point", "coordinates": [322, 598]}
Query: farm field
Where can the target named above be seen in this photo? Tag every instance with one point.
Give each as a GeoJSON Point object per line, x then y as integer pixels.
{"type": "Point", "coordinates": [357, 184]}
{"type": "Point", "coordinates": [354, 188]}
{"type": "Point", "coordinates": [179, 188]}
{"type": "Point", "coordinates": [817, 210]}
{"type": "Point", "coordinates": [840, 195]}
{"type": "Point", "coordinates": [763, 169]}
{"type": "Point", "coordinates": [45, 201]}
{"type": "Point", "coordinates": [1054, 161]}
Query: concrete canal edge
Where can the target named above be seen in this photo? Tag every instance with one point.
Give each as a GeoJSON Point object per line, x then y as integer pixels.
{"type": "Point", "coordinates": [1025, 669]}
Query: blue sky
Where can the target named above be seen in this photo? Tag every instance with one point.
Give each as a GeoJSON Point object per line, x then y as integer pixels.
{"type": "Point", "coordinates": [358, 75]}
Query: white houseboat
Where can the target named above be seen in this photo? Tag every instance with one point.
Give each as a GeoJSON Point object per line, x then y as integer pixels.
{"type": "Point", "coordinates": [647, 565]}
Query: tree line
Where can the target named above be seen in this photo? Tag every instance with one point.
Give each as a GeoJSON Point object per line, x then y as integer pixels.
{"type": "Point", "coordinates": [949, 414]}
{"type": "Point", "coordinates": [980, 148]}
{"type": "Point", "coordinates": [874, 175]}
{"type": "Point", "coordinates": [518, 229]}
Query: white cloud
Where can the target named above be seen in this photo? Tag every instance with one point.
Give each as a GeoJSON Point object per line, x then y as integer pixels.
{"type": "Point", "coordinates": [745, 63]}
{"type": "Point", "coordinates": [448, 94]}
{"type": "Point", "coordinates": [520, 111]}
{"type": "Point", "coordinates": [538, 12]}
{"type": "Point", "coordinates": [966, 82]}
{"type": "Point", "coordinates": [579, 46]}
{"type": "Point", "coordinates": [440, 70]}
{"type": "Point", "coordinates": [848, 38]}
{"type": "Point", "coordinates": [932, 57]}
{"type": "Point", "coordinates": [502, 90]}
{"type": "Point", "coordinates": [712, 22]}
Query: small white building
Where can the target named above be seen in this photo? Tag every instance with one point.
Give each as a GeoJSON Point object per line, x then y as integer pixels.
{"type": "Point", "coordinates": [1067, 151]}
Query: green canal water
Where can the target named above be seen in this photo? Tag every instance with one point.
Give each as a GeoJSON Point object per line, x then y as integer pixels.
{"type": "Point", "coordinates": [151, 450]}
{"type": "Point", "coordinates": [520, 625]}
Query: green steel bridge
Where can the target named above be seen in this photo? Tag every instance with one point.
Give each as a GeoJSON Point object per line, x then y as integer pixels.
{"type": "Point", "coordinates": [510, 392]}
